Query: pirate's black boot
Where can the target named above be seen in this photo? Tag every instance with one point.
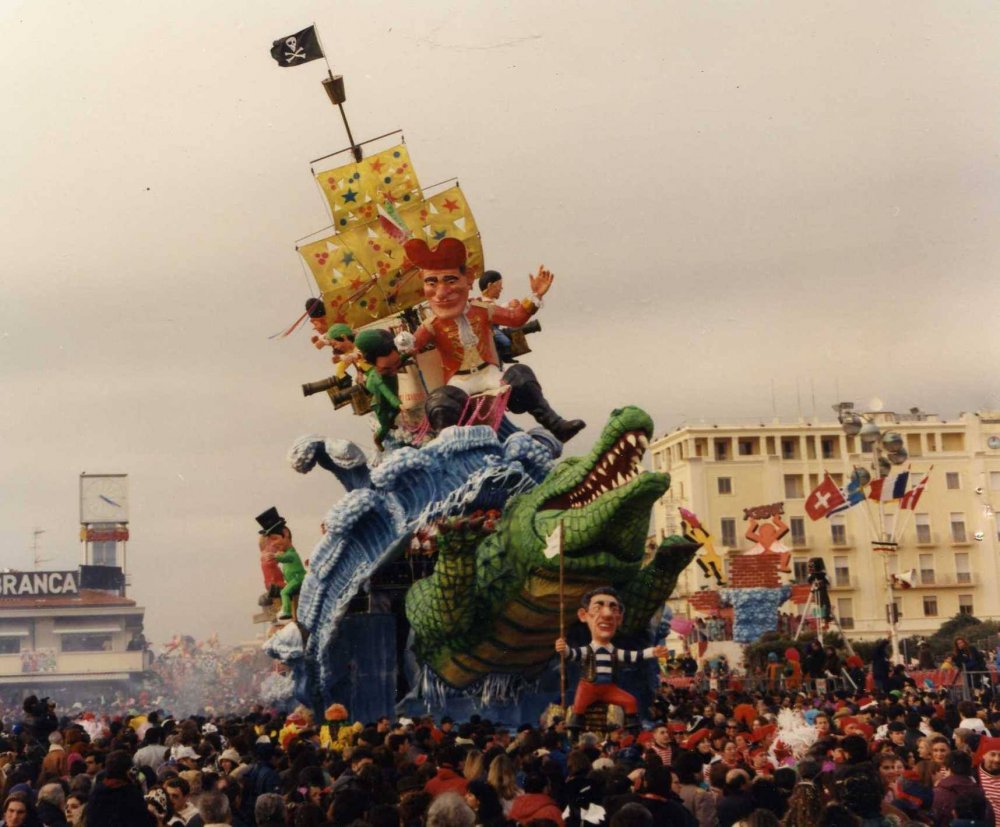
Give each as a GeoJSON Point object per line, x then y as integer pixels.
{"type": "Point", "coordinates": [444, 407]}
{"type": "Point", "coordinates": [526, 397]}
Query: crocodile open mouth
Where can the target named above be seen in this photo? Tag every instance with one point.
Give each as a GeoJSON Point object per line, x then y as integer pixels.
{"type": "Point", "coordinates": [616, 467]}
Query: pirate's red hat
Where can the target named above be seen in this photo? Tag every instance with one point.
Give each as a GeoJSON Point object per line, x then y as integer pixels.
{"type": "Point", "coordinates": [448, 255]}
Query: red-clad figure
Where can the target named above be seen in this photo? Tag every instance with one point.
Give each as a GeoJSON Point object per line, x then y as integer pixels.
{"type": "Point", "coordinates": [462, 331]}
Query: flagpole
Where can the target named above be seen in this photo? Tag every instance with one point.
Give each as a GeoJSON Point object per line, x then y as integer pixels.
{"type": "Point", "coordinates": [334, 86]}
{"type": "Point", "coordinates": [562, 626]}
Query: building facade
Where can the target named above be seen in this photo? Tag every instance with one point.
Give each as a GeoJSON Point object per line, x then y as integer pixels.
{"type": "Point", "coordinates": [950, 541]}
{"type": "Point", "coordinates": [60, 638]}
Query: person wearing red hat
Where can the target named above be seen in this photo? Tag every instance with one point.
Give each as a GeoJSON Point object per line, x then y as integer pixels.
{"type": "Point", "coordinates": [462, 331]}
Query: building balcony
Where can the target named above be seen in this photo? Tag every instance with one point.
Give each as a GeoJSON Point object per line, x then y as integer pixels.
{"type": "Point", "coordinates": [69, 667]}
{"type": "Point", "coordinates": [935, 580]}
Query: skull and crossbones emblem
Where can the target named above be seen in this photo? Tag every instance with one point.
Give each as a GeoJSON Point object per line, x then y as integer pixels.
{"type": "Point", "coordinates": [294, 50]}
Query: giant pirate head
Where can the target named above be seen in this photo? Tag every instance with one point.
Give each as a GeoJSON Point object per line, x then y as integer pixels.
{"type": "Point", "coordinates": [442, 271]}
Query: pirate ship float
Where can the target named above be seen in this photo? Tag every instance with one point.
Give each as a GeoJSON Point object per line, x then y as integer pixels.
{"type": "Point", "coordinates": [364, 278]}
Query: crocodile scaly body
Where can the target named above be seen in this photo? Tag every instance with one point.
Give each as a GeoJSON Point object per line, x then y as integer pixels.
{"type": "Point", "coordinates": [492, 603]}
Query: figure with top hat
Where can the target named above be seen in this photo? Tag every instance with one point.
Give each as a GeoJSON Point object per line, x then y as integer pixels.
{"type": "Point", "coordinates": [279, 549]}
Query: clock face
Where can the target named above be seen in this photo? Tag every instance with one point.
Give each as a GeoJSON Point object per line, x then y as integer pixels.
{"type": "Point", "coordinates": [103, 498]}
{"type": "Point", "coordinates": [993, 441]}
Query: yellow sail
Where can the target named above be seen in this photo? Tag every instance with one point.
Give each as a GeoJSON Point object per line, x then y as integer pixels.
{"type": "Point", "coordinates": [356, 190]}
{"type": "Point", "coordinates": [361, 272]}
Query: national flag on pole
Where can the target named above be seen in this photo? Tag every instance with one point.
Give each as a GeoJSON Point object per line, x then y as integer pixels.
{"type": "Point", "coordinates": [297, 48]}
{"type": "Point", "coordinates": [904, 580]}
{"type": "Point", "coordinates": [823, 498]}
{"type": "Point", "coordinates": [852, 495]}
{"type": "Point", "coordinates": [887, 489]}
{"type": "Point", "coordinates": [553, 545]}
{"type": "Point", "coordinates": [912, 497]}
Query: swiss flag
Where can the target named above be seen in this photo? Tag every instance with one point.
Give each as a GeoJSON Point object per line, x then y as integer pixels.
{"type": "Point", "coordinates": [825, 496]}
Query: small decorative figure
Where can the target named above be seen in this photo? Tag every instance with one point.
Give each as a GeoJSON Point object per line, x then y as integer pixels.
{"type": "Point", "coordinates": [279, 548]}
{"type": "Point", "coordinates": [603, 612]}
{"type": "Point", "coordinates": [462, 331]}
{"type": "Point", "coordinates": [378, 349]}
{"type": "Point", "coordinates": [274, 580]}
{"type": "Point", "coordinates": [316, 310]}
{"type": "Point", "coordinates": [340, 338]}
{"type": "Point", "coordinates": [767, 534]}
{"type": "Point", "coordinates": [490, 288]}
{"type": "Point", "coordinates": [708, 559]}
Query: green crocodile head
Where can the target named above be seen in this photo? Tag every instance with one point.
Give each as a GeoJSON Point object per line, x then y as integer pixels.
{"type": "Point", "coordinates": [603, 501]}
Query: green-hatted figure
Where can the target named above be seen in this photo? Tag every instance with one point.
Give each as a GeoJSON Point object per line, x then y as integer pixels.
{"type": "Point", "coordinates": [279, 548]}
{"type": "Point", "coordinates": [379, 350]}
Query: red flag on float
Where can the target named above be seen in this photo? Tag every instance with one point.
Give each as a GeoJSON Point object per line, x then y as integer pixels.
{"type": "Point", "coordinates": [825, 496]}
{"type": "Point", "coordinates": [887, 489]}
{"type": "Point", "coordinates": [912, 497]}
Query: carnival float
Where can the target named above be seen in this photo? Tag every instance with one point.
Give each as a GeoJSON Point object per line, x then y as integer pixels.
{"type": "Point", "coordinates": [469, 563]}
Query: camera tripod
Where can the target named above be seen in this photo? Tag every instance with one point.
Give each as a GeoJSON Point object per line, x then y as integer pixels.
{"type": "Point", "coordinates": [819, 596]}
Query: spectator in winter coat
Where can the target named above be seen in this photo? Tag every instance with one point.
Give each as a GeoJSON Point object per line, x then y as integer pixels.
{"type": "Point", "coordinates": [536, 802]}
{"type": "Point", "coordinates": [958, 781]}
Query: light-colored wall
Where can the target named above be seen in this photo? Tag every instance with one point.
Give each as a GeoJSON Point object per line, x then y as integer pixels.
{"type": "Point", "coordinates": [758, 480]}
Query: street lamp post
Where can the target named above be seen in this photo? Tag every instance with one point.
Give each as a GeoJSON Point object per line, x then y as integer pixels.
{"type": "Point", "coordinates": [887, 450]}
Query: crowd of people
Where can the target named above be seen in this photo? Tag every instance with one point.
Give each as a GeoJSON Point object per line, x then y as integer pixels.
{"type": "Point", "coordinates": [704, 758]}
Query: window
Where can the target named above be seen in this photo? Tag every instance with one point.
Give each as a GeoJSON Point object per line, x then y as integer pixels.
{"type": "Point", "coordinates": [923, 527]}
{"type": "Point", "coordinates": [85, 642]}
{"type": "Point", "coordinates": [749, 446]}
{"type": "Point", "coordinates": [725, 485]}
{"type": "Point", "coordinates": [845, 610]}
{"type": "Point", "coordinates": [927, 569]}
{"type": "Point", "coordinates": [838, 531]}
{"type": "Point", "coordinates": [801, 571]}
{"type": "Point", "coordinates": [828, 447]}
{"type": "Point", "coordinates": [790, 448]}
{"type": "Point", "coordinates": [932, 442]}
{"type": "Point", "coordinates": [722, 449]}
{"type": "Point", "coordinates": [728, 531]}
{"type": "Point", "coordinates": [951, 480]}
{"type": "Point", "coordinates": [965, 604]}
{"type": "Point", "coordinates": [798, 529]}
{"type": "Point", "coordinates": [953, 442]}
{"type": "Point", "coordinates": [958, 527]}
{"type": "Point", "coordinates": [841, 572]}
{"type": "Point", "coordinates": [930, 607]}
{"type": "Point", "coordinates": [793, 487]}
{"type": "Point", "coordinates": [963, 574]}
{"type": "Point", "coordinates": [10, 645]}
{"type": "Point", "coordinates": [995, 480]}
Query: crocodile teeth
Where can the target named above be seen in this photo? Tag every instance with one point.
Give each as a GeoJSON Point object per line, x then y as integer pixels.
{"type": "Point", "coordinates": [643, 441]}
{"type": "Point", "coordinates": [631, 439]}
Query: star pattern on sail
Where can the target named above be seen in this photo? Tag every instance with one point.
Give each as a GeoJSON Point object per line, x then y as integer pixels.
{"type": "Point", "coordinates": [362, 272]}
{"type": "Point", "coordinates": [354, 191]}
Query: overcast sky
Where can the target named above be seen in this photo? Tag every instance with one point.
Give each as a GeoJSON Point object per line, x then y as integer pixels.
{"type": "Point", "coordinates": [730, 195]}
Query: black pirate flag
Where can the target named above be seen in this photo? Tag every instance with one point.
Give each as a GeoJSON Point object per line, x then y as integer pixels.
{"type": "Point", "coordinates": [297, 48]}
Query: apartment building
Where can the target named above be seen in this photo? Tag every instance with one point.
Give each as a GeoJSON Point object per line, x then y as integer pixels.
{"type": "Point", "coordinates": [950, 540]}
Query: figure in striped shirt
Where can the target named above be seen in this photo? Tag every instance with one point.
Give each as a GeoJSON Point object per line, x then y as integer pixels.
{"type": "Point", "coordinates": [603, 612]}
